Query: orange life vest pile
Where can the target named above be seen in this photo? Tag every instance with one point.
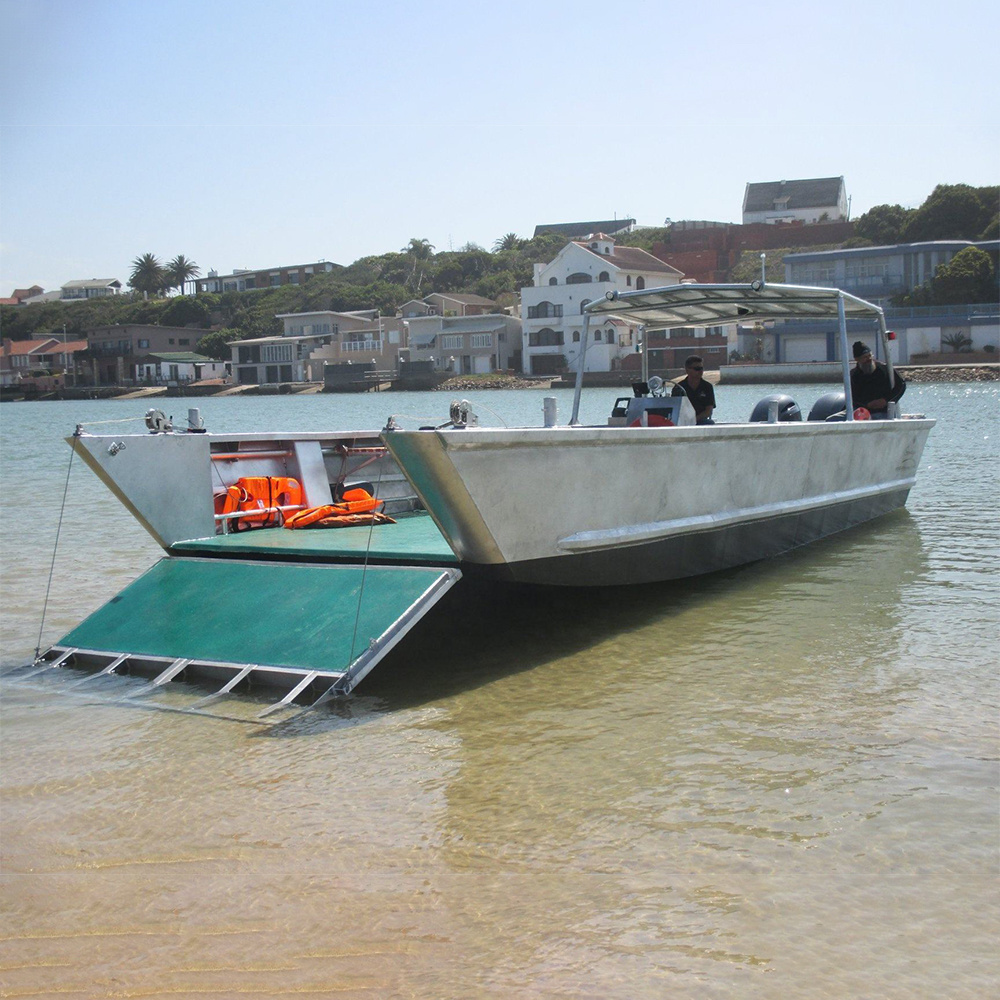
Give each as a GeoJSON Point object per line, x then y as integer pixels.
{"type": "Point", "coordinates": [261, 494]}
{"type": "Point", "coordinates": [357, 507]}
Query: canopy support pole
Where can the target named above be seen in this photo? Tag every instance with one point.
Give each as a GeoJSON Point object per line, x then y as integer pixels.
{"type": "Point", "coordinates": [574, 420]}
{"type": "Point", "coordinates": [884, 337]}
{"type": "Point", "coordinates": [844, 359]}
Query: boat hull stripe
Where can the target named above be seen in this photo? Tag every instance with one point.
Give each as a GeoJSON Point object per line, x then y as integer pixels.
{"type": "Point", "coordinates": [635, 534]}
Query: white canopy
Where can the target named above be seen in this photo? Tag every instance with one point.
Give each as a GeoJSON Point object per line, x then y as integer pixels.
{"type": "Point", "coordinates": [715, 305]}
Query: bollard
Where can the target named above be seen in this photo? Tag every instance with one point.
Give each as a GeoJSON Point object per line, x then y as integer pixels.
{"type": "Point", "coordinates": [549, 411]}
{"type": "Point", "coordinates": [891, 411]}
{"type": "Point", "coordinates": [195, 424]}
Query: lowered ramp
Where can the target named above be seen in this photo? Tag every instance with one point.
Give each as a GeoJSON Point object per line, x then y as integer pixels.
{"type": "Point", "coordinates": [307, 628]}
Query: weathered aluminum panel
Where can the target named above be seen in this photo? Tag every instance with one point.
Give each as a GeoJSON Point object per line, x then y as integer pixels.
{"type": "Point", "coordinates": [535, 494]}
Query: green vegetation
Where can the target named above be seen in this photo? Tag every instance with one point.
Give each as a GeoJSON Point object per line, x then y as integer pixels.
{"type": "Point", "coordinates": [970, 276]}
{"type": "Point", "coordinates": [951, 212]}
{"type": "Point", "coordinates": [386, 281]}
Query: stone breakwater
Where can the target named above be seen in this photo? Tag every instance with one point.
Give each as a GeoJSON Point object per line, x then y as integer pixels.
{"type": "Point", "coordinates": [950, 373]}
{"type": "Point", "coordinates": [492, 382]}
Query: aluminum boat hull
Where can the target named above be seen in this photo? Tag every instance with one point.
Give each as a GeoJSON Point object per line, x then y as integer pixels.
{"type": "Point", "coordinates": [592, 506]}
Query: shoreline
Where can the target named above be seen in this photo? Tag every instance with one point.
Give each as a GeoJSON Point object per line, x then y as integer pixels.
{"type": "Point", "coordinates": [976, 372]}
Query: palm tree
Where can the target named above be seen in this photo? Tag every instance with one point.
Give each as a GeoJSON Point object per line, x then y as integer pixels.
{"type": "Point", "coordinates": [181, 270]}
{"type": "Point", "coordinates": [418, 250]}
{"type": "Point", "coordinates": [509, 241]}
{"type": "Point", "coordinates": [147, 275]}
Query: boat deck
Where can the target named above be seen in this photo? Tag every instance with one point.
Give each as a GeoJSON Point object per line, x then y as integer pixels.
{"type": "Point", "coordinates": [310, 611]}
{"type": "Point", "coordinates": [413, 540]}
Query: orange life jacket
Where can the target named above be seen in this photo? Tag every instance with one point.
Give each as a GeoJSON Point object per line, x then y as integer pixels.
{"type": "Point", "coordinates": [257, 493]}
{"type": "Point", "coordinates": [355, 502]}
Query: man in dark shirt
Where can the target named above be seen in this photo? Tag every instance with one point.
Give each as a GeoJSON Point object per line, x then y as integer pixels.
{"type": "Point", "coordinates": [700, 392]}
{"type": "Point", "coordinates": [871, 386]}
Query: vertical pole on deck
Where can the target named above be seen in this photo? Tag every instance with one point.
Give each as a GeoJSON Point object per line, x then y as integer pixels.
{"type": "Point", "coordinates": [844, 358]}
{"type": "Point", "coordinates": [574, 420]}
{"type": "Point", "coordinates": [645, 354]}
{"type": "Point", "coordinates": [884, 337]}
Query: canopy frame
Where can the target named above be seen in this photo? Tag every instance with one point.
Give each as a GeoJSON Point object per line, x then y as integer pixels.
{"type": "Point", "coordinates": [694, 304]}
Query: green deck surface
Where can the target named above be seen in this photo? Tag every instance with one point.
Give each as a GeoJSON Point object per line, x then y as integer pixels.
{"type": "Point", "coordinates": [412, 539]}
{"type": "Point", "coordinates": [275, 614]}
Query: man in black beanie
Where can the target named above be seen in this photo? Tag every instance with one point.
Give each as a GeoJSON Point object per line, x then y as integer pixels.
{"type": "Point", "coordinates": [871, 386]}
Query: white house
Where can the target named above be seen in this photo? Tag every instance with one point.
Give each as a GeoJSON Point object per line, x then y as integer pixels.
{"type": "Point", "coordinates": [819, 199]}
{"type": "Point", "coordinates": [178, 366]}
{"type": "Point", "coordinates": [551, 309]}
{"type": "Point", "coordinates": [90, 288]}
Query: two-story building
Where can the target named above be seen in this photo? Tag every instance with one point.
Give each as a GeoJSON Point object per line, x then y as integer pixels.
{"type": "Point", "coordinates": [310, 340]}
{"type": "Point", "coordinates": [552, 308]}
{"type": "Point", "coordinates": [248, 280]}
{"type": "Point", "coordinates": [877, 274]}
{"type": "Point", "coordinates": [466, 345]}
{"type": "Point", "coordinates": [818, 199]}
{"type": "Point", "coordinates": [447, 304]}
{"type": "Point", "coordinates": [20, 359]}
{"type": "Point", "coordinates": [113, 349]}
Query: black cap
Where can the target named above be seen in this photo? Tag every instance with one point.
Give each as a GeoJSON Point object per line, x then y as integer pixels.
{"type": "Point", "coordinates": [861, 348]}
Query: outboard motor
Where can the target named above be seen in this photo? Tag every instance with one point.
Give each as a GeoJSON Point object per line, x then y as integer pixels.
{"type": "Point", "coordinates": [788, 409]}
{"type": "Point", "coordinates": [831, 406]}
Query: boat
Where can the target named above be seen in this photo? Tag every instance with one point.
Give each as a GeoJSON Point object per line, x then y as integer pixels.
{"type": "Point", "coordinates": [648, 496]}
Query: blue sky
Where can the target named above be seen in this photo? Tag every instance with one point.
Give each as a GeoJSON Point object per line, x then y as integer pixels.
{"type": "Point", "coordinates": [251, 134]}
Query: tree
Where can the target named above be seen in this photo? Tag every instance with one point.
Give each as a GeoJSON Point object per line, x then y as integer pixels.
{"type": "Point", "coordinates": [883, 225]}
{"type": "Point", "coordinates": [181, 270]}
{"type": "Point", "coordinates": [420, 252]}
{"type": "Point", "coordinates": [215, 344]}
{"type": "Point", "coordinates": [951, 212]}
{"type": "Point", "coordinates": [419, 249]}
{"type": "Point", "coordinates": [968, 277]}
{"type": "Point", "coordinates": [147, 275]}
{"type": "Point", "coordinates": [509, 241]}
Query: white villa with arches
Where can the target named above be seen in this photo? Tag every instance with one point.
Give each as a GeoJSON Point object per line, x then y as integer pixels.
{"type": "Point", "coordinates": [551, 309]}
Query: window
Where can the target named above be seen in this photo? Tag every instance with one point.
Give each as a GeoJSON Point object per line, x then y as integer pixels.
{"type": "Point", "coordinates": [640, 282]}
{"type": "Point", "coordinates": [576, 336]}
{"type": "Point", "coordinates": [597, 336]}
{"type": "Point", "coordinates": [553, 281]}
{"type": "Point", "coordinates": [452, 342]}
{"type": "Point", "coordinates": [276, 352]}
{"type": "Point", "coordinates": [481, 340]}
{"type": "Point", "coordinates": [185, 340]}
{"type": "Point", "coordinates": [170, 341]}
{"type": "Point", "coordinates": [545, 338]}
{"type": "Point", "coordinates": [604, 276]}
{"type": "Point", "coordinates": [580, 278]}
{"type": "Point", "coordinates": [144, 343]}
{"type": "Point", "coordinates": [544, 310]}
{"type": "Point", "coordinates": [275, 280]}
{"type": "Point", "coordinates": [628, 280]}
{"type": "Point", "coordinates": [583, 306]}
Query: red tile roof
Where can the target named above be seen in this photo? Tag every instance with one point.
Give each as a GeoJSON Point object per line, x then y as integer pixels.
{"type": "Point", "coordinates": [634, 258]}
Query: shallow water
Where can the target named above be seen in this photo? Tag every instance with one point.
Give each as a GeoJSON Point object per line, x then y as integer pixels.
{"type": "Point", "coordinates": [780, 781]}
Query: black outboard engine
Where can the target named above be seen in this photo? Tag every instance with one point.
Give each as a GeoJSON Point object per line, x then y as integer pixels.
{"type": "Point", "coordinates": [788, 409]}
{"type": "Point", "coordinates": [831, 406]}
